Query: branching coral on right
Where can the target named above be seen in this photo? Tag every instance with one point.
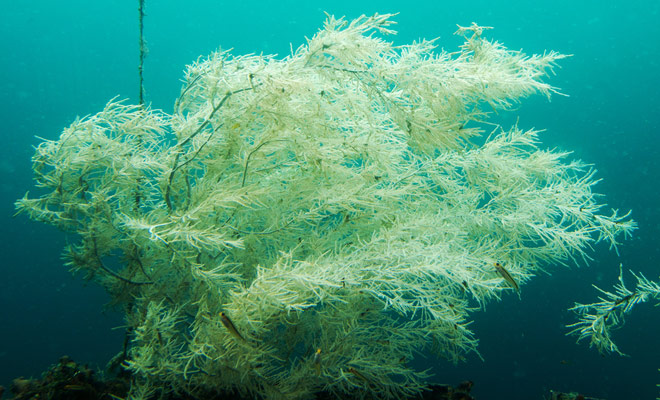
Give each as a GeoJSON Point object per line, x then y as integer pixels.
{"type": "Point", "coordinates": [597, 320]}
{"type": "Point", "coordinates": [315, 222]}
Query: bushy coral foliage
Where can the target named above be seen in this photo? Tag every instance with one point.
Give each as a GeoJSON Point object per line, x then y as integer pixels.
{"type": "Point", "coordinates": [313, 222]}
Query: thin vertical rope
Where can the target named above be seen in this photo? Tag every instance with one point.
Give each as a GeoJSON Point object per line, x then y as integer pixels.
{"type": "Point", "coordinates": [142, 50]}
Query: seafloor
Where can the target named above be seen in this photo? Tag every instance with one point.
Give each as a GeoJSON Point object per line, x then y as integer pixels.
{"type": "Point", "coordinates": [68, 380]}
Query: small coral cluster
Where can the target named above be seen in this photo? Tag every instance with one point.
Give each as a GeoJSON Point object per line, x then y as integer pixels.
{"type": "Point", "coordinates": [66, 380]}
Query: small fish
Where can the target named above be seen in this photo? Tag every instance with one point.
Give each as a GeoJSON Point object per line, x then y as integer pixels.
{"type": "Point", "coordinates": [231, 327]}
{"type": "Point", "coordinates": [507, 277]}
{"type": "Point", "coordinates": [75, 387]}
{"type": "Point", "coordinates": [358, 375]}
{"type": "Point", "coordinates": [317, 361]}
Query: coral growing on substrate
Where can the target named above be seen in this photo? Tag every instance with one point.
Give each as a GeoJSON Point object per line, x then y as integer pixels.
{"type": "Point", "coordinates": [313, 222]}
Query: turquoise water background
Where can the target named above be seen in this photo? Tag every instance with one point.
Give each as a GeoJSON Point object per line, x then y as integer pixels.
{"type": "Point", "coordinates": [59, 60]}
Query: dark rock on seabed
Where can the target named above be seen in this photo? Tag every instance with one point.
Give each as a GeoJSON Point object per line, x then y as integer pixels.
{"type": "Point", "coordinates": [68, 380]}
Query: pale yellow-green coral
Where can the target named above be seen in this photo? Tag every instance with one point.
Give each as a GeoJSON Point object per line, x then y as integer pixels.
{"type": "Point", "coordinates": [340, 199]}
{"type": "Point", "coordinates": [597, 320]}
